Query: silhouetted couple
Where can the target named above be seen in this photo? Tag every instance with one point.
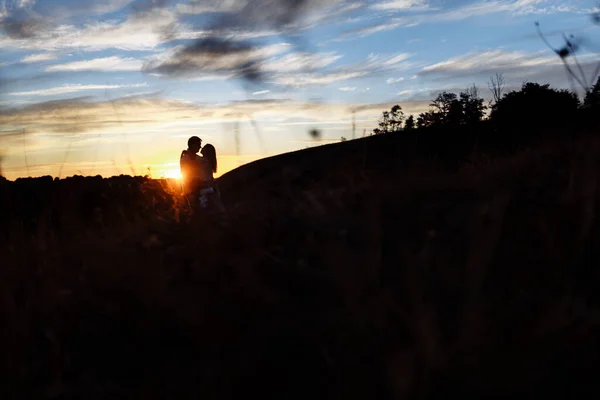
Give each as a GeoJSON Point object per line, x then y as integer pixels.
{"type": "Point", "coordinates": [197, 173]}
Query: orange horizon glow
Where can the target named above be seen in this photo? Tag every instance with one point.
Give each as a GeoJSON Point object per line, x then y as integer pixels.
{"type": "Point", "coordinates": [173, 174]}
{"type": "Point", "coordinates": [157, 168]}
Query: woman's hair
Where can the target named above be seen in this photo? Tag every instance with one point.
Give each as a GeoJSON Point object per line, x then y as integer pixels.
{"type": "Point", "coordinates": [210, 154]}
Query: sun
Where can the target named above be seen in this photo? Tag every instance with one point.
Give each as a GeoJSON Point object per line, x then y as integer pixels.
{"type": "Point", "coordinates": [174, 173]}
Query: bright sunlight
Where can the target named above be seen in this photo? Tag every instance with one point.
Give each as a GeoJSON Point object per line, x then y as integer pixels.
{"type": "Point", "coordinates": [173, 174]}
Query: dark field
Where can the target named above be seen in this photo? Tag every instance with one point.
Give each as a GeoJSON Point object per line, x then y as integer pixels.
{"type": "Point", "coordinates": [348, 271]}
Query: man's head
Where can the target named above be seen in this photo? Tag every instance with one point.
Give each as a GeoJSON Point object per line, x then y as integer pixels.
{"type": "Point", "coordinates": [194, 144]}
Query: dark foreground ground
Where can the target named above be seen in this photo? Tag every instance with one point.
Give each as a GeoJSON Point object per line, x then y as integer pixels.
{"type": "Point", "coordinates": [348, 271]}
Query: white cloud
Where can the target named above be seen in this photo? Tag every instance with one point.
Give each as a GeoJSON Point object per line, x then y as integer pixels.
{"type": "Point", "coordinates": [111, 64]}
{"type": "Point", "coordinates": [299, 80]}
{"type": "Point", "coordinates": [405, 92]}
{"type": "Point", "coordinates": [370, 30]}
{"type": "Point", "coordinates": [300, 62]}
{"type": "Point", "coordinates": [261, 92]}
{"type": "Point", "coordinates": [74, 88]}
{"type": "Point", "coordinates": [348, 89]}
{"type": "Point", "coordinates": [26, 3]}
{"type": "Point", "coordinates": [184, 62]}
{"type": "Point", "coordinates": [8, 5]}
{"type": "Point", "coordinates": [476, 9]}
{"type": "Point", "coordinates": [517, 67]}
{"type": "Point", "coordinates": [138, 32]}
{"type": "Point", "coordinates": [404, 5]}
{"type": "Point", "coordinates": [39, 57]}
{"type": "Point", "coordinates": [203, 6]}
{"type": "Point", "coordinates": [487, 61]}
{"type": "Point", "coordinates": [394, 80]}
{"type": "Point", "coordinates": [85, 8]}
{"type": "Point", "coordinates": [374, 64]}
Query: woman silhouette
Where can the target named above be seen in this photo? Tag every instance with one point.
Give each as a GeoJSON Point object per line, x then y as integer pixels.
{"type": "Point", "coordinates": [209, 194]}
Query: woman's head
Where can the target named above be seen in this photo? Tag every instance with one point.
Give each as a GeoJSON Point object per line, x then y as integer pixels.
{"type": "Point", "coordinates": [209, 152]}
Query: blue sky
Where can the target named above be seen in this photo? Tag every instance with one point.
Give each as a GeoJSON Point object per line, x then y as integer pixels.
{"type": "Point", "coordinates": [116, 86]}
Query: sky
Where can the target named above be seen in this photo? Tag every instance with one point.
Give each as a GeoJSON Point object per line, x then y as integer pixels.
{"type": "Point", "coordinates": [115, 87]}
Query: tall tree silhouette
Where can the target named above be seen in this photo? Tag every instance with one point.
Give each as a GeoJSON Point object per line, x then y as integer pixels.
{"type": "Point", "coordinates": [410, 123]}
{"type": "Point", "coordinates": [472, 106]}
{"type": "Point", "coordinates": [443, 103]}
{"type": "Point", "coordinates": [496, 86]}
{"type": "Point", "coordinates": [443, 108]}
{"type": "Point", "coordinates": [391, 121]}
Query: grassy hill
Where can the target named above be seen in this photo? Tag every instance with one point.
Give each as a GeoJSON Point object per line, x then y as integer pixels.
{"type": "Point", "coordinates": [395, 266]}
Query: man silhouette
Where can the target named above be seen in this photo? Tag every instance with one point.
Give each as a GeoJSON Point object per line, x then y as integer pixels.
{"type": "Point", "coordinates": [189, 164]}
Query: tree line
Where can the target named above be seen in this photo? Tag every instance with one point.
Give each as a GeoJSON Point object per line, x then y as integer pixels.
{"type": "Point", "coordinates": [533, 105]}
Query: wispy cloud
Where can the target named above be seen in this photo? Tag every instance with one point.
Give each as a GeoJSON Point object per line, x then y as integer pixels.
{"type": "Point", "coordinates": [404, 5]}
{"type": "Point", "coordinates": [323, 78]}
{"type": "Point", "coordinates": [297, 62]}
{"type": "Point", "coordinates": [373, 65]}
{"type": "Point", "coordinates": [64, 11]}
{"type": "Point", "coordinates": [261, 92]}
{"type": "Point", "coordinates": [213, 57]}
{"type": "Point", "coordinates": [74, 88]}
{"type": "Point", "coordinates": [137, 32]}
{"type": "Point", "coordinates": [113, 63]}
{"type": "Point", "coordinates": [148, 114]}
{"type": "Point", "coordinates": [470, 10]}
{"type": "Point", "coordinates": [390, 81]}
{"type": "Point", "coordinates": [25, 3]}
{"type": "Point", "coordinates": [40, 57]}
{"type": "Point", "coordinates": [202, 7]}
{"type": "Point", "coordinates": [489, 61]}
{"type": "Point", "coordinates": [517, 67]}
{"type": "Point", "coordinates": [348, 89]}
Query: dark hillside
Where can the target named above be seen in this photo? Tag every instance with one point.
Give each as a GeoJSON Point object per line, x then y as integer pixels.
{"type": "Point", "coordinates": [381, 268]}
{"type": "Point", "coordinates": [434, 148]}
{"type": "Point", "coordinates": [387, 153]}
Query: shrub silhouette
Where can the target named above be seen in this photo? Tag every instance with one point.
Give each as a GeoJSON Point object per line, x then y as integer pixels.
{"type": "Point", "coordinates": [534, 106]}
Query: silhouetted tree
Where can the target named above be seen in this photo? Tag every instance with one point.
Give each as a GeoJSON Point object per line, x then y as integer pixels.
{"type": "Point", "coordinates": [473, 108]}
{"type": "Point", "coordinates": [496, 86]}
{"type": "Point", "coordinates": [455, 113]}
{"type": "Point", "coordinates": [449, 109]}
{"type": "Point", "coordinates": [443, 102]}
{"type": "Point", "coordinates": [592, 97]}
{"type": "Point", "coordinates": [440, 110]}
{"type": "Point", "coordinates": [410, 123]}
{"type": "Point", "coordinates": [535, 105]}
{"type": "Point", "coordinates": [429, 118]}
{"type": "Point", "coordinates": [391, 121]}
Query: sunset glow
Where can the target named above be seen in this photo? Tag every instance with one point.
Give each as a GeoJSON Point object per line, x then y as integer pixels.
{"type": "Point", "coordinates": [173, 174]}
{"type": "Point", "coordinates": [115, 87]}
